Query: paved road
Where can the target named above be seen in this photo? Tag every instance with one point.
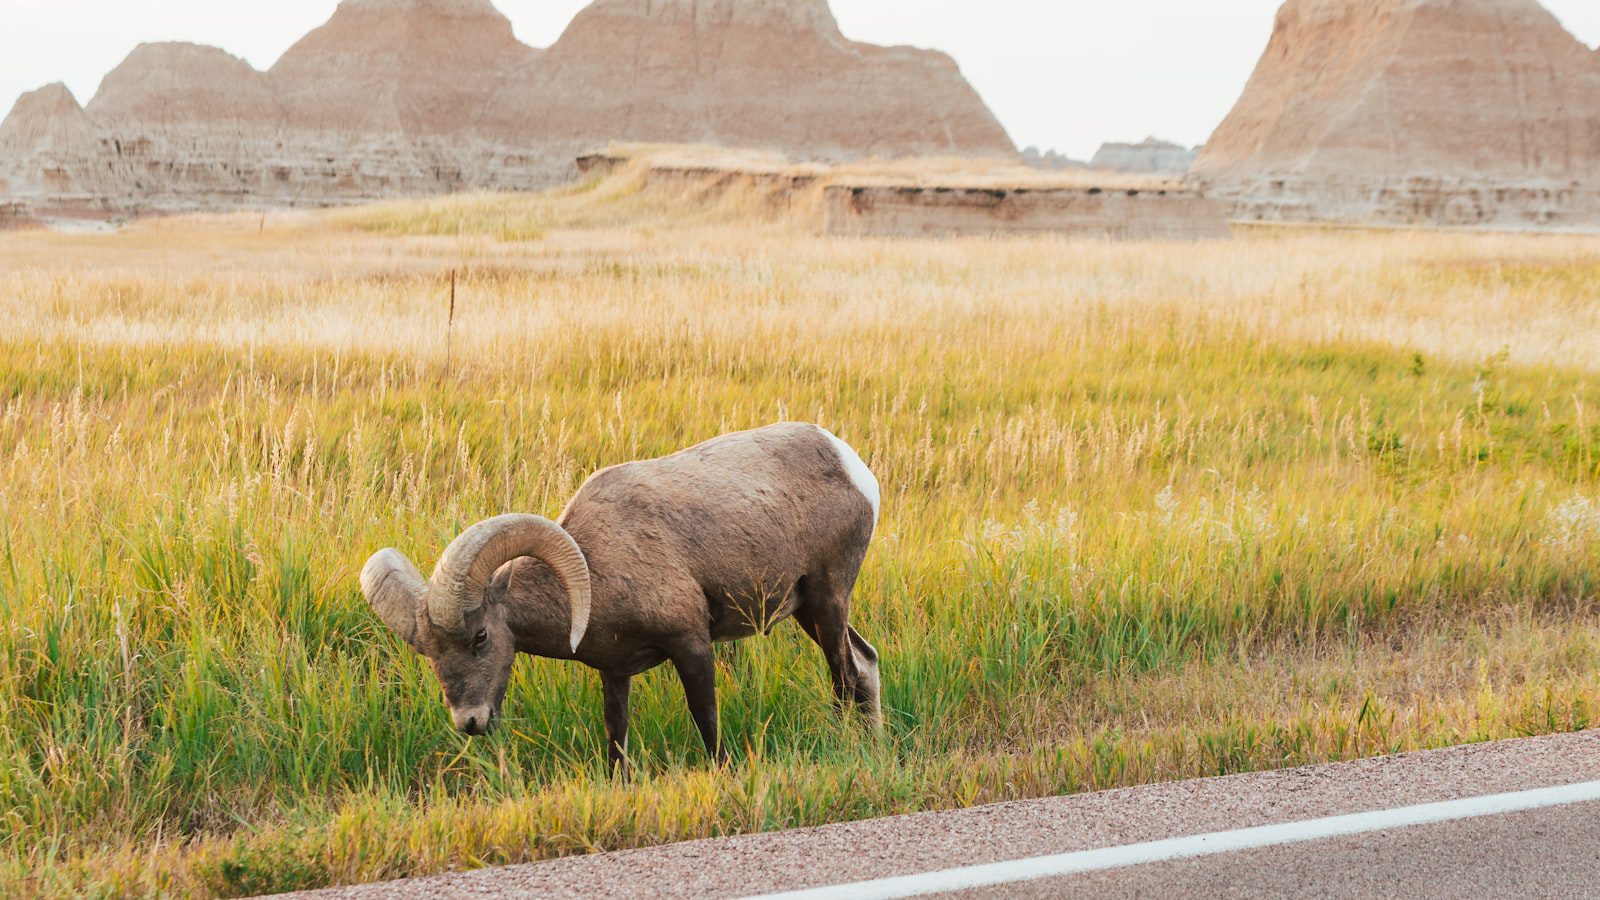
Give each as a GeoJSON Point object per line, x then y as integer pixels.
{"type": "Point", "coordinates": [1547, 853]}
{"type": "Point", "coordinates": [1552, 851]}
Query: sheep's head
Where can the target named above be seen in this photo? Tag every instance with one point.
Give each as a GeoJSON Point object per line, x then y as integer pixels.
{"type": "Point", "coordinates": [449, 619]}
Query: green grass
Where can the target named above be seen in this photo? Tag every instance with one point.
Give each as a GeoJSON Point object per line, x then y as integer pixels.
{"type": "Point", "coordinates": [1118, 547]}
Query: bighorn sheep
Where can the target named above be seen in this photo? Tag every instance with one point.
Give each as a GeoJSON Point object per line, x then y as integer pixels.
{"type": "Point", "coordinates": [651, 561]}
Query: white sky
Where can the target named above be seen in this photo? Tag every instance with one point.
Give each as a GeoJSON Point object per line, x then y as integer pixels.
{"type": "Point", "coordinates": [1059, 73]}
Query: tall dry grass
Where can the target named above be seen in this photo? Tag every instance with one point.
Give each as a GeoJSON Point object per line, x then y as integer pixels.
{"type": "Point", "coordinates": [1152, 511]}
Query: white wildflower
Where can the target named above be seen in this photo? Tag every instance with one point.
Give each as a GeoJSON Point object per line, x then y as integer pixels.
{"type": "Point", "coordinates": [1030, 515]}
{"type": "Point", "coordinates": [1573, 524]}
{"type": "Point", "coordinates": [1167, 504]}
{"type": "Point", "coordinates": [992, 531]}
{"type": "Point", "coordinates": [1066, 524]}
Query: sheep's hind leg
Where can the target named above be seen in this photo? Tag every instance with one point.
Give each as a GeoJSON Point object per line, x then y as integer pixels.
{"type": "Point", "coordinates": [617, 689]}
{"type": "Point", "coordinates": [868, 685]}
{"type": "Point", "coordinates": [852, 662]}
{"type": "Point", "coordinates": [697, 670]}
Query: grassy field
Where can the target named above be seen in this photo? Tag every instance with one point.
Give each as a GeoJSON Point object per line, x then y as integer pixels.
{"type": "Point", "coordinates": [1152, 512]}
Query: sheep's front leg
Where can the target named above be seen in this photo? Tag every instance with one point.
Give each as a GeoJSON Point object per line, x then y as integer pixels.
{"type": "Point", "coordinates": [697, 670]}
{"type": "Point", "coordinates": [617, 688]}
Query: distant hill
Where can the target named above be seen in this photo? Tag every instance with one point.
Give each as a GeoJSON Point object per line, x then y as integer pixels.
{"type": "Point", "coordinates": [1150, 155]}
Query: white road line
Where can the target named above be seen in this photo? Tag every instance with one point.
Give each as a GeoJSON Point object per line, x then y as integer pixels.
{"type": "Point", "coordinates": [1198, 845]}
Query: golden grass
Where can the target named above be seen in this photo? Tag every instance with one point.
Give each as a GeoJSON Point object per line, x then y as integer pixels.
{"type": "Point", "coordinates": [1152, 511]}
{"type": "Point", "coordinates": [303, 283]}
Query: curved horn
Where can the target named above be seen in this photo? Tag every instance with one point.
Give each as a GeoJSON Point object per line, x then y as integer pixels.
{"type": "Point", "coordinates": [394, 587]}
{"type": "Point", "coordinates": [471, 560]}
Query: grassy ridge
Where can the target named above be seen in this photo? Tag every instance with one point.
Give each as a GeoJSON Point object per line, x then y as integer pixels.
{"type": "Point", "coordinates": [1131, 533]}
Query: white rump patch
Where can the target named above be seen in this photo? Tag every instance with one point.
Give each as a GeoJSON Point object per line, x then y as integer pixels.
{"type": "Point", "coordinates": [860, 475]}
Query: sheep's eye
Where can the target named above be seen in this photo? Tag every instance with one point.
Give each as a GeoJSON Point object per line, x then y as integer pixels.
{"type": "Point", "coordinates": [480, 639]}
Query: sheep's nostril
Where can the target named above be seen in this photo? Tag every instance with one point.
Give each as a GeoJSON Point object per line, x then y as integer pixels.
{"type": "Point", "coordinates": [474, 721]}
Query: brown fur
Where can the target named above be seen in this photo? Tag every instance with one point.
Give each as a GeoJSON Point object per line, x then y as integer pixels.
{"type": "Point", "coordinates": [715, 543]}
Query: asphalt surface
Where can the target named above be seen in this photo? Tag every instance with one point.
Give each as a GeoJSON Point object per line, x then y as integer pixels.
{"type": "Point", "coordinates": [1544, 853]}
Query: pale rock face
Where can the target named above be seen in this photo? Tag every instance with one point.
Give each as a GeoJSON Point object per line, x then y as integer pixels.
{"type": "Point", "coordinates": [773, 74]}
{"type": "Point", "coordinates": [180, 120]}
{"type": "Point", "coordinates": [1315, 12]}
{"type": "Point", "coordinates": [1149, 156]}
{"type": "Point", "coordinates": [397, 97]}
{"type": "Point", "coordinates": [48, 119]}
{"type": "Point", "coordinates": [406, 66]}
{"type": "Point", "coordinates": [807, 16]}
{"type": "Point", "coordinates": [66, 152]}
{"type": "Point", "coordinates": [437, 7]}
{"type": "Point", "coordinates": [1425, 107]}
{"type": "Point", "coordinates": [172, 85]}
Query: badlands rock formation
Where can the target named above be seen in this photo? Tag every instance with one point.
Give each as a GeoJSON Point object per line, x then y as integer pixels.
{"type": "Point", "coordinates": [62, 147]}
{"type": "Point", "coordinates": [47, 121]}
{"type": "Point", "coordinates": [171, 87]}
{"type": "Point", "coordinates": [395, 97]}
{"type": "Point", "coordinates": [393, 67]}
{"type": "Point", "coordinates": [1149, 156]}
{"type": "Point", "coordinates": [1456, 112]}
{"type": "Point", "coordinates": [773, 74]}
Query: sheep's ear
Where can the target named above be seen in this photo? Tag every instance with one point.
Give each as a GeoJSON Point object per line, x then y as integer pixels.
{"type": "Point", "coordinates": [395, 589]}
